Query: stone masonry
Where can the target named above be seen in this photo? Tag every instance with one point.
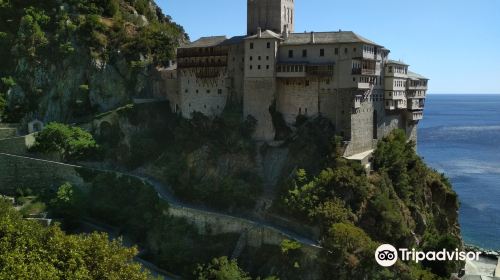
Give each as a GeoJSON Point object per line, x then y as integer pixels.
{"type": "Point", "coordinates": [339, 75]}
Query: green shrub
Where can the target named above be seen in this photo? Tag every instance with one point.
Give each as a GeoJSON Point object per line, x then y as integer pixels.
{"type": "Point", "coordinates": [30, 251]}
{"type": "Point", "coordinates": [73, 143]}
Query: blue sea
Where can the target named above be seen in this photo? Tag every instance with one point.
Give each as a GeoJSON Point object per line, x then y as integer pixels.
{"type": "Point", "coordinates": [460, 136]}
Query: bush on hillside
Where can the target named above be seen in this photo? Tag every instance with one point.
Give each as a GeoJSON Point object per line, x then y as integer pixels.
{"type": "Point", "coordinates": [31, 251]}
{"type": "Point", "coordinates": [73, 143]}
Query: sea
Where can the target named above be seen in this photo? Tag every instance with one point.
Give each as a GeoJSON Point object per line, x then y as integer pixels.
{"type": "Point", "coordinates": [460, 137]}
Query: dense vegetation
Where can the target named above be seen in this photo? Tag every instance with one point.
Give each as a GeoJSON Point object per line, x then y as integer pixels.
{"type": "Point", "coordinates": [402, 202]}
{"type": "Point", "coordinates": [223, 269]}
{"type": "Point", "coordinates": [30, 251]}
{"type": "Point", "coordinates": [71, 142]}
{"type": "Point", "coordinates": [134, 209]}
{"type": "Point", "coordinates": [41, 40]}
{"type": "Point", "coordinates": [188, 155]}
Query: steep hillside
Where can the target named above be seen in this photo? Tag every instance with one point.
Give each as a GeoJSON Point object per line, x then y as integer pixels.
{"type": "Point", "coordinates": [66, 60]}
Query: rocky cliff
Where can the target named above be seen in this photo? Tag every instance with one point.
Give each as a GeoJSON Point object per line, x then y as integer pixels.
{"type": "Point", "coordinates": [67, 60]}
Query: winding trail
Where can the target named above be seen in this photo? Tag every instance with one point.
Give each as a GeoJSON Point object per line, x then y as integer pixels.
{"type": "Point", "coordinates": [164, 194]}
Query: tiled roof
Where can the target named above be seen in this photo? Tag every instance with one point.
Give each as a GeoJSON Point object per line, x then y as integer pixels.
{"type": "Point", "coordinates": [267, 34]}
{"type": "Point", "coordinates": [214, 41]}
{"type": "Point", "coordinates": [413, 75]}
{"type": "Point", "coordinates": [396, 62]}
{"type": "Point", "coordinates": [327, 38]}
{"type": "Point", "coordinates": [207, 42]}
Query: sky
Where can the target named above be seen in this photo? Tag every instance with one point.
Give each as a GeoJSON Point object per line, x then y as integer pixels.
{"type": "Point", "coordinates": [455, 43]}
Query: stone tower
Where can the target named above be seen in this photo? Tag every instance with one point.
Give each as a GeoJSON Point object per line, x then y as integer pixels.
{"type": "Point", "coordinates": [275, 15]}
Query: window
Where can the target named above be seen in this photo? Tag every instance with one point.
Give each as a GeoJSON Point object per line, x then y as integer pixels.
{"type": "Point", "coordinates": [345, 50]}
{"type": "Point", "coordinates": [251, 58]}
{"type": "Point", "coordinates": [267, 57]}
{"type": "Point", "coordinates": [307, 83]}
{"type": "Point", "coordinates": [219, 91]}
{"type": "Point", "coordinates": [259, 57]}
{"type": "Point", "coordinates": [251, 67]}
{"type": "Point", "coordinates": [208, 91]}
{"type": "Point", "coordinates": [304, 53]}
{"type": "Point", "coordinates": [197, 91]}
{"type": "Point", "coordinates": [186, 91]}
{"type": "Point", "coordinates": [290, 53]}
{"type": "Point", "coordinates": [354, 49]}
{"type": "Point", "coordinates": [322, 52]}
{"type": "Point", "coordinates": [268, 45]}
{"type": "Point", "coordinates": [258, 67]}
{"type": "Point", "coordinates": [267, 66]}
{"type": "Point", "coordinates": [251, 46]}
{"type": "Point", "coordinates": [336, 51]}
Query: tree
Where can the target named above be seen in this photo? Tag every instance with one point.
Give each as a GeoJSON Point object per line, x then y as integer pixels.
{"type": "Point", "coordinates": [221, 269]}
{"type": "Point", "coordinates": [31, 251]}
{"type": "Point", "coordinates": [73, 143]}
{"type": "Point", "coordinates": [67, 204]}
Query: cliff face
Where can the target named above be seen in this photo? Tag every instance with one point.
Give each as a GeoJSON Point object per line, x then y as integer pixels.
{"type": "Point", "coordinates": [67, 60]}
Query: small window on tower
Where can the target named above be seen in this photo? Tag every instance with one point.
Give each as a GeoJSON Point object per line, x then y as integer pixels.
{"type": "Point", "coordinates": [290, 53]}
{"type": "Point", "coordinates": [336, 51]}
{"type": "Point", "coordinates": [268, 45]}
{"type": "Point", "coordinates": [251, 46]}
{"type": "Point", "coordinates": [322, 52]}
{"type": "Point", "coordinates": [304, 53]}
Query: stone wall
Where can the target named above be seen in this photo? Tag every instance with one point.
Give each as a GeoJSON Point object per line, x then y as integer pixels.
{"type": "Point", "coordinates": [22, 172]}
{"type": "Point", "coordinates": [7, 132]}
{"type": "Point", "coordinates": [258, 234]}
{"type": "Point", "coordinates": [207, 96]}
{"type": "Point", "coordinates": [258, 98]}
{"type": "Point", "coordinates": [299, 96]}
{"type": "Point", "coordinates": [17, 145]}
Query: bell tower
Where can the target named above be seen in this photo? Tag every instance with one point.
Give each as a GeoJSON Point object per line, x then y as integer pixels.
{"type": "Point", "coordinates": [275, 15]}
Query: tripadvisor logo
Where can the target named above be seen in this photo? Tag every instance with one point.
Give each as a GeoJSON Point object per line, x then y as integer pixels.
{"type": "Point", "coordinates": [387, 255]}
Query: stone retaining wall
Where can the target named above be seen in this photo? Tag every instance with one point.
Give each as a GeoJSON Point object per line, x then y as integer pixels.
{"type": "Point", "coordinates": [17, 145]}
{"type": "Point", "coordinates": [258, 235]}
{"type": "Point", "coordinates": [24, 172]}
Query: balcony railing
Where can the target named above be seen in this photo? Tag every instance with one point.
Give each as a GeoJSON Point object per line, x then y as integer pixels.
{"type": "Point", "coordinates": [417, 105]}
{"type": "Point", "coordinates": [359, 71]}
{"type": "Point", "coordinates": [183, 53]}
{"type": "Point", "coordinates": [201, 64]}
{"type": "Point", "coordinates": [303, 70]}
{"type": "Point", "coordinates": [395, 95]}
{"type": "Point", "coordinates": [415, 94]}
{"type": "Point", "coordinates": [416, 116]}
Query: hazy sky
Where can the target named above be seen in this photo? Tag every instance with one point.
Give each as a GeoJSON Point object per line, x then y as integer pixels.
{"type": "Point", "coordinates": [455, 43]}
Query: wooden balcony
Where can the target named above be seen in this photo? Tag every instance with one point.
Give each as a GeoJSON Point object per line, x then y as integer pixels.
{"type": "Point", "coordinates": [303, 70]}
{"type": "Point", "coordinates": [415, 116]}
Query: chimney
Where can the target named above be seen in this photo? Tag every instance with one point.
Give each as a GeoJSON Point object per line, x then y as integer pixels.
{"type": "Point", "coordinates": [259, 32]}
{"type": "Point", "coordinates": [313, 39]}
{"type": "Point", "coordinates": [286, 32]}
